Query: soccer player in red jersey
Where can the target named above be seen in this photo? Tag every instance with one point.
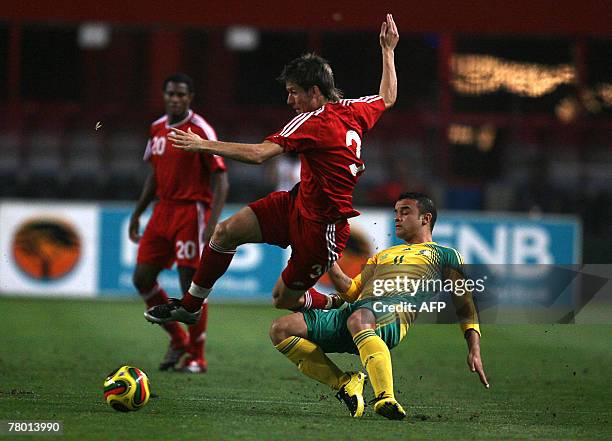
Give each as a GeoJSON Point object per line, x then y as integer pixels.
{"type": "Point", "coordinates": [312, 218]}
{"type": "Point", "coordinates": [191, 188]}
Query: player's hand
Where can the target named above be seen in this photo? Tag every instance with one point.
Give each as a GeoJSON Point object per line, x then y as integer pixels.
{"type": "Point", "coordinates": [474, 361]}
{"type": "Point", "coordinates": [389, 35]}
{"type": "Point", "coordinates": [337, 301]}
{"type": "Point", "coordinates": [475, 364]}
{"type": "Point", "coordinates": [134, 229]}
{"type": "Point", "coordinates": [188, 140]}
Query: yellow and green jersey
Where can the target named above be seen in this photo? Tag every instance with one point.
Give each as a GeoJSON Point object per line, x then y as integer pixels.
{"type": "Point", "coordinates": [414, 271]}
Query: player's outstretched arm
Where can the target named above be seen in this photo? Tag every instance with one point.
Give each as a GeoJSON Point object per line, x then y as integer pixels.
{"type": "Point", "coordinates": [389, 36]}
{"type": "Point", "coordinates": [248, 153]}
{"type": "Point", "coordinates": [473, 359]}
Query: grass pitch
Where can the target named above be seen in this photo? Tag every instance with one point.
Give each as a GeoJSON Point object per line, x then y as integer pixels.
{"type": "Point", "coordinates": [547, 381]}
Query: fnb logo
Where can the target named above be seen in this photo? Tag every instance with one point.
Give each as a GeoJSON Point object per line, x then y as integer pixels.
{"type": "Point", "coordinates": [510, 243]}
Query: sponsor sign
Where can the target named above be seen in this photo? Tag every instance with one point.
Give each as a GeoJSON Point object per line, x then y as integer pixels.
{"type": "Point", "coordinates": [84, 249]}
{"type": "Point", "coordinates": [49, 249]}
{"type": "Point", "coordinates": [495, 239]}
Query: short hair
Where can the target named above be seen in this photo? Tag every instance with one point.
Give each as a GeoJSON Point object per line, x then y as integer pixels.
{"type": "Point", "coordinates": [311, 70]}
{"type": "Point", "coordinates": [179, 78]}
{"type": "Point", "coordinates": [424, 204]}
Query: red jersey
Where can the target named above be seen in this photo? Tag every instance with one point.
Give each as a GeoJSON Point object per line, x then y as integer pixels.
{"type": "Point", "coordinates": [328, 141]}
{"type": "Point", "coordinates": [180, 175]}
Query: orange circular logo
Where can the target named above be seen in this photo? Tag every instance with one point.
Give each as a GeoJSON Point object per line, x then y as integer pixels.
{"type": "Point", "coordinates": [46, 249]}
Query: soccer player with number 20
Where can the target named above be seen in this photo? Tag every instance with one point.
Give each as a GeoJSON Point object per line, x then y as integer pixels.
{"type": "Point", "coordinates": [191, 188]}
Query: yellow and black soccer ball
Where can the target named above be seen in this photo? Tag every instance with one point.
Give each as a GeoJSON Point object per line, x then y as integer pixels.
{"type": "Point", "coordinates": [127, 389]}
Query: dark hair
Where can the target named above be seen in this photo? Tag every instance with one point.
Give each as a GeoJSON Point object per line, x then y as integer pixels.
{"type": "Point", "coordinates": [179, 78]}
{"type": "Point", "coordinates": [424, 204]}
{"type": "Point", "coordinates": [311, 70]}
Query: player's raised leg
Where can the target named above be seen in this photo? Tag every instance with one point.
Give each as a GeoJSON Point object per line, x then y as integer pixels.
{"type": "Point", "coordinates": [241, 228]}
{"type": "Point", "coordinates": [145, 281]}
{"type": "Point", "coordinates": [289, 335]}
{"type": "Point", "coordinates": [376, 358]}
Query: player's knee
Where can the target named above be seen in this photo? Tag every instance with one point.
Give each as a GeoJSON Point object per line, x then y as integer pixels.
{"type": "Point", "coordinates": [222, 236]}
{"type": "Point", "coordinates": [352, 322]}
{"type": "Point", "coordinates": [142, 282]}
{"type": "Point", "coordinates": [279, 331]}
{"type": "Point", "coordinates": [360, 320]}
{"type": "Point", "coordinates": [220, 233]}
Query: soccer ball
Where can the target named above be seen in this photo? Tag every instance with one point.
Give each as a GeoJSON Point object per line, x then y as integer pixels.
{"type": "Point", "coordinates": [127, 389]}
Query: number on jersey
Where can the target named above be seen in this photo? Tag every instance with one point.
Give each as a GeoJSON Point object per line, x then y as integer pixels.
{"type": "Point", "coordinates": [158, 145]}
{"type": "Point", "coordinates": [353, 142]}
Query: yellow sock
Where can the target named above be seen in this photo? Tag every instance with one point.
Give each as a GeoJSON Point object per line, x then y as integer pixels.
{"type": "Point", "coordinates": [312, 361]}
{"type": "Point", "coordinates": [376, 358]}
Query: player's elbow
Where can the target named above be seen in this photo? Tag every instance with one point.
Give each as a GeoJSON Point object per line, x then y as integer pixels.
{"type": "Point", "coordinates": [258, 155]}
{"type": "Point", "coordinates": [264, 151]}
{"type": "Point", "coordinates": [389, 101]}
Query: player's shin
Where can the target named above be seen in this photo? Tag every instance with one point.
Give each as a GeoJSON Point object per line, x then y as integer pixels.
{"type": "Point", "coordinates": [213, 264]}
{"type": "Point", "coordinates": [312, 361]}
{"type": "Point", "coordinates": [376, 358]}
{"type": "Point", "coordinates": [197, 335]}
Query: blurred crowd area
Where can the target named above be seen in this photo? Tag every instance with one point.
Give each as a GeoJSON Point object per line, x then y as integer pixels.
{"type": "Point", "coordinates": [482, 123]}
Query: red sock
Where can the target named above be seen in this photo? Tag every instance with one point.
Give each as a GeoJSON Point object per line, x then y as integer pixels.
{"type": "Point", "coordinates": [314, 299]}
{"type": "Point", "coordinates": [157, 296]}
{"type": "Point", "coordinates": [197, 335]}
{"type": "Point", "coordinates": [213, 264]}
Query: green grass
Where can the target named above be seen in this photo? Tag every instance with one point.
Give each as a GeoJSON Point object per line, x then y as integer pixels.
{"type": "Point", "coordinates": [548, 381]}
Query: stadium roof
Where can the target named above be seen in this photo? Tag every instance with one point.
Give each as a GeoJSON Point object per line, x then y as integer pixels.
{"type": "Point", "coordinates": [586, 17]}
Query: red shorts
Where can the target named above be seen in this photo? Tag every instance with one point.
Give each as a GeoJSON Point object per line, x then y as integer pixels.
{"type": "Point", "coordinates": [174, 234]}
{"type": "Point", "coordinates": [314, 246]}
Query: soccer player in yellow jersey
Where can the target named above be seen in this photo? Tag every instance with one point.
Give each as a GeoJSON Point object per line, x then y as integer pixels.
{"type": "Point", "coordinates": [377, 316]}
